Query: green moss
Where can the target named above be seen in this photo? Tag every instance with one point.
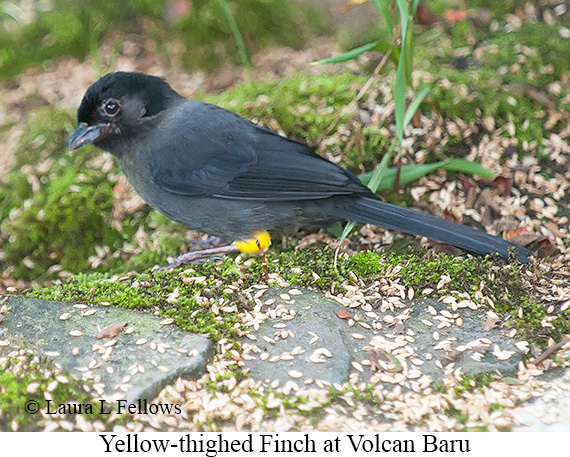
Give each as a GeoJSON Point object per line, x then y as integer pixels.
{"type": "Point", "coordinates": [314, 267]}
{"type": "Point", "coordinates": [425, 269]}
{"type": "Point", "coordinates": [367, 264]}
{"type": "Point", "coordinates": [458, 415]}
{"type": "Point", "coordinates": [16, 377]}
{"type": "Point", "coordinates": [496, 74]}
{"type": "Point", "coordinates": [40, 201]}
{"type": "Point", "coordinates": [496, 407]}
{"type": "Point", "coordinates": [505, 285]}
{"type": "Point", "coordinates": [69, 28]}
{"type": "Point", "coordinates": [303, 105]}
{"type": "Point", "coordinates": [192, 309]}
{"type": "Point", "coordinates": [56, 208]}
{"type": "Point", "coordinates": [154, 290]}
{"type": "Point", "coordinates": [475, 382]}
{"type": "Point", "coordinates": [498, 9]}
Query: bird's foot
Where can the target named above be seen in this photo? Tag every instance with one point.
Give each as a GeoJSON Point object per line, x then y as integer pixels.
{"type": "Point", "coordinates": [258, 244]}
{"type": "Point", "coordinates": [207, 243]}
{"type": "Point", "coordinates": [199, 256]}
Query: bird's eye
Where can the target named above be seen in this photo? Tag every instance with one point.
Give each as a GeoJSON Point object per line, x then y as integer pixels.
{"type": "Point", "coordinates": [111, 107]}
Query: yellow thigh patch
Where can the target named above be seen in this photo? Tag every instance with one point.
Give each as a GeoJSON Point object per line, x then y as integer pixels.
{"type": "Point", "coordinates": [249, 246]}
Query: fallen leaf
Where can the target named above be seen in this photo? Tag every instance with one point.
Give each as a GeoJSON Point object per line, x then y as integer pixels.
{"type": "Point", "coordinates": [509, 152]}
{"type": "Point", "coordinates": [111, 331]}
{"type": "Point", "coordinates": [377, 355]}
{"type": "Point", "coordinates": [449, 357]}
{"type": "Point", "coordinates": [451, 217]}
{"type": "Point", "coordinates": [417, 119]}
{"type": "Point", "coordinates": [523, 238]}
{"type": "Point", "coordinates": [424, 16]}
{"type": "Point", "coordinates": [453, 16]}
{"type": "Point", "coordinates": [445, 248]}
{"type": "Point", "coordinates": [553, 229]}
{"type": "Point", "coordinates": [344, 314]}
{"type": "Point", "coordinates": [547, 249]}
{"type": "Point", "coordinates": [399, 328]}
{"type": "Point", "coordinates": [490, 323]}
{"type": "Point", "coordinates": [503, 185]}
{"type": "Point", "coordinates": [506, 224]}
{"type": "Point", "coordinates": [471, 192]}
{"type": "Point", "coordinates": [489, 215]}
{"type": "Point", "coordinates": [382, 360]}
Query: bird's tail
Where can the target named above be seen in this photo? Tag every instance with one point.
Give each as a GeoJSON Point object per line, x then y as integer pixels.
{"type": "Point", "coordinates": [371, 211]}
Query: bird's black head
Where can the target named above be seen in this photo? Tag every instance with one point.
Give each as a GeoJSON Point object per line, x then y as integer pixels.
{"type": "Point", "coordinates": [119, 108]}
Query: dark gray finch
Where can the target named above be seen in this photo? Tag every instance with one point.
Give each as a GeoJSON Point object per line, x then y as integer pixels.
{"type": "Point", "coordinates": [220, 174]}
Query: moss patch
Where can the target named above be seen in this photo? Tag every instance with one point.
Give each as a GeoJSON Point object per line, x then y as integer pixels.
{"type": "Point", "coordinates": [303, 105]}
{"type": "Point", "coordinates": [200, 288]}
{"type": "Point", "coordinates": [202, 35]}
{"type": "Point", "coordinates": [26, 382]}
{"type": "Point", "coordinates": [504, 76]}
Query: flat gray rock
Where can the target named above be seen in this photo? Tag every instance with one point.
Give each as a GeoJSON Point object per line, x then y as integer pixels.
{"type": "Point", "coordinates": [469, 347]}
{"type": "Point", "coordinates": [305, 340]}
{"type": "Point", "coordinates": [135, 364]}
{"type": "Point", "coordinates": [315, 327]}
{"type": "Point", "coordinates": [548, 413]}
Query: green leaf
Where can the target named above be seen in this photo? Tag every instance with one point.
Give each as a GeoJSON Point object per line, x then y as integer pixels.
{"type": "Point", "coordinates": [375, 179]}
{"type": "Point", "coordinates": [410, 173]}
{"type": "Point", "coordinates": [348, 55]}
{"type": "Point", "coordinates": [386, 46]}
{"type": "Point", "coordinates": [409, 44]}
{"type": "Point", "coordinates": [468, 167]}
{"type": "Point", "coordinates": [377, 175]}
{"type": "Point", "coordinates": [415, 104]}
{"type": "Point", "coordinates": [237, 36]}
{"type": "Point", "coordinates": [401, 86]}
{"type": "Point", "coordinates": [400, 96]}
{"type": "Point", "coordinates": [414, 7]}
{"type": "Point", "coordinates": [384, 7]}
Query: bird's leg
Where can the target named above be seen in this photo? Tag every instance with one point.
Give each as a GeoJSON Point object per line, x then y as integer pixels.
{"type": "Point", "coordinates": [263, 260]}
{"type": "Point", "coordinates": [197, 256]}
{"type": "Point", "coordinates": [258, 244]}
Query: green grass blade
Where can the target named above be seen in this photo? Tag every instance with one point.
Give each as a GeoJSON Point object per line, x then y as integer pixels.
{"type": "Point", "coordinates": [410, 173]}
{"type": "Point", "coordinates": [348, 55]}
{"type": "Point", "coordinates": [376, 177]}
{"type": "Point", "coordinates": [383, 7]}
{"type": "Point", "coordinates": [400, 89]}
{"type": "Point", "coordinates": [469, 168]}
{"type": "Point", "coordinates": [404, 15]}
{"type": "Point", "coordinates": [237, 35]}
{"type": "Point", "coordinates": [415, 104]}
{"type": "Point", "coordinates": [400, 95]}
{"type": "Point", "coordinates": [347, 229]}
{"type": "Point", "coordinates": [414, 7]}
{"type": "Point", "coordinates": [409, 44]}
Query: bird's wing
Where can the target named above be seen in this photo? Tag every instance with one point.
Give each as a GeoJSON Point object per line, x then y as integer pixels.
{"type": "Point", "coordinates": [214, 152]}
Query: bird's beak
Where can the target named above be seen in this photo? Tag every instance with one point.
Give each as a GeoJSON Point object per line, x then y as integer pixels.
{"type": "Point", "coordinates": [86, 134]}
